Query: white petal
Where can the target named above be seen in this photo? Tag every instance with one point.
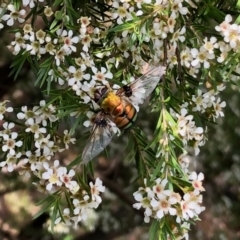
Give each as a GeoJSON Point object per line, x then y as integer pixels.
{"type": "Point", "coordinates": [45, 175]}
{"type": "Point", "coordinates": [160, 214]}
{"type": "Point", "coordinates": [49, 187]}
{"type": "Point", "coordinates": [154, 203]}
{"type": "Point", "coordinates": [4, 148]}
{"type": "Point", "coordinates": [137, 196]}
{"type": "Point", "coordinates": [19, 143]}
{"type": "Point", "coordinates": [200, 176]}
{"type": "Point", "coordinates": [10, 22]}
{"type": "Point", "coordinates": [172, 211]}
{"type": "Point", "coordinates": [72, 69]}
{"type": "Point", "coordinates": [5, 17]}
{"type": "Point", "coordinates": [71, 173]}
{"type": "Point", "coordinates": [11, 8]}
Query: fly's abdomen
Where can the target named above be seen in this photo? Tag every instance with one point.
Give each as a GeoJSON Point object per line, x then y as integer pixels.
{"type": "Point", "coordinates": [127, 118]}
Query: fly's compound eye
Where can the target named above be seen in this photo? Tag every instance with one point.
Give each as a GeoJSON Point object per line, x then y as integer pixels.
{"type": "Point", "coordinates": [101, 122]}
{"type": "Point", "coordinates": [97, 96]}
{"type": "Point", "coordinates": [99, 93]}
{"type": "Point", "coordinates": [128, 91]}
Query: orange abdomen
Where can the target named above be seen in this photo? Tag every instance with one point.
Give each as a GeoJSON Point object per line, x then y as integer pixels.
{"type": "Point", "coordinates": [127, 118]}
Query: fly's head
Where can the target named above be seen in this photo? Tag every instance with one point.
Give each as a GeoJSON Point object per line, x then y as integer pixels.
{"type": "Point", "coordinates": [99, 94]}
{"type": "Point", "coordinates": [128, 90]}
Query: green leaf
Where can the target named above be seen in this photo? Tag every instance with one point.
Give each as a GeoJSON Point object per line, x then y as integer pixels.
{"type": "Point", "coordinates": [57, 2]}
{"type": "Point", "coordinates": [48, 200]}
{"type": "Point", "coordinates": [17, 4]}
{"type": "Point", "coordinates": [75, 162]}
{"type": "Point", "coordinates": [39, 213]}
{"type": "Point", "coordinates": [54, 24]}
{"type": "Point", "coordinates": [54, 215]}
{"type": "Point", "coordinates": [43, 72]}
{"type": "Point", "coordinates": [17, 64]}
{"type": "Point", "coordinates": [157, 169]}
{"type": "Point", "coordinates": [122, 27]}
{"type": "Point", "coordinates": [154, 230]}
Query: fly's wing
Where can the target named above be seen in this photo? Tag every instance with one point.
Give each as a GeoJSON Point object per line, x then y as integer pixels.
{"type": "Point", "coordinates": [142, 87]}
{"type": "Point", "coordinates": [102, 133]}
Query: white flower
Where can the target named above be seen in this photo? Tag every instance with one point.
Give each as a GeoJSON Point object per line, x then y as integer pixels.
{"type": "Point", "coordinates": [122, 44]}
{"type": "Point", "coordinates": [47, 112]}
{"type": "Point", "coordinates": [201, 56]}
{"type": "Point", "coordinates": [89, 122]}
{"type": "Point", "coordinates": [18, 43]}
{"type": "Point", "coordinates": [190, 205]}
{"type": "Point", "coordinates": [232, 36]}
{"type": "Point", "coordinates": [14, 15]}
{"type": "Point", "coordinates": [78, 75]}
{"type": "Point", "coordinates": [200, 101]}
{"type": "Point", "coordinates": [171, 22]}
{"type": "Point", "coordinates": [51, 175]}
{"type": "Point", "coordinates": [67, 139]}
{"type": "Point", "coordinates": [187, 207]}
{"type": "Point", "coordinates": [96, 189]}
{"type": "Point", "coordinates": [4, 109]}
{"type": "Point", "coordinates": [197, 182]}
{"type": "Point", "coordinates": [35, 48]}
{"type": "Point", "coordinates": [186, 57]}
{"type": "Point", "coordinates": [143, 202]}
{"type": "Point", "coordinates": [44, 143]}
{"type": "Point", "coordinates": [158, 189]}
{"type": "Point", "coordinates": [121, 12]}
{"type": "Point", "coordinates": [68, 40]}
{"type": "Point", "coordinates": [66, 217]}
{"type": "Point", "coordinates": [7, 128]}
{"type": "Point", "coordinates": [87, 59]}
{"type": "Point", "coordinates": [11, 161]}
{"type": "Point", "coordinates": [85, 21]}
{"type": "Point", "coordinates": [10, 143]}
{"type": "Point", "coordinates": [177, 7]}
{"type": "Point", "coordinates": [67, 178]}
{"type": "Point", "coordinates": [183, 120]}
{"type": "Point", "coordinates": [86, 40]}
{"type": "Point", "coordinates": [30, 3]}
{"type": "Point", "coordinates": [88, 89]}
{"type": "Point", "coordinates": [163, 207]}
{"type": "Point", "coordinates": [178, 36]}
{"type": "Point", "coordinates": [210, 45]}
{"type": "Point", "coordinates": [34, 128]}
{"type": "Point", "coordinates": [82, 205]}
{"type": "Point", "coordinates": [29, 115]}
{"type": "Point", "coordinates": [101, 75]}
{"type": "Point", "coordinates": [225, 26]}
{"type": "Point", "coordinates": [32, 159]}
{"type": "Point", "coordinates": [60, 56]}
{"type": "Point", "coordinates": [218, 108]}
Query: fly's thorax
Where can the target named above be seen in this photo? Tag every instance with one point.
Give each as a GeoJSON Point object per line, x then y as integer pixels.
{"type": "Point", "coordinates": [112, 104]}
{"type": "Point", "coordinates": [127, 118]}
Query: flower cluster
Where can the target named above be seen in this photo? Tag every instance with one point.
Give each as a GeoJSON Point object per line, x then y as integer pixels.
{"type": "Point", "coordinates": [188, 131]}
{"type": "Point", "coordinates": [206, 103]}
{"type": "Point", "coordinates": [159, 200]}
{"type": "Point", "coordinates": [209, 103]}
{"type": "Point", "coordinates": [82, 202]}
{"type": "Point", "coordinates": [10, 145]}
{"type": "Point", "coordinates": [78, 58]}
{"type": "Point", "coordinates": [11, 14]}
